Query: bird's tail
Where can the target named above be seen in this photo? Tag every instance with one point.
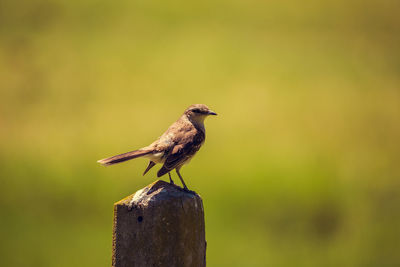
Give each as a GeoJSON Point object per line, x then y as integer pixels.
{"type": "Point", "coordinates": [124, 157]}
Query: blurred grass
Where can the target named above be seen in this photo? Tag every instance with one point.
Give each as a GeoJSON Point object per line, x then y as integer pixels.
{"type": "Point", "coordinates": [300, 168]}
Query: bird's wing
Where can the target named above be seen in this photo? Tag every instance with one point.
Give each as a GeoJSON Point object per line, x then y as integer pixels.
{"type": "Point", "coordinates": [187, 144]}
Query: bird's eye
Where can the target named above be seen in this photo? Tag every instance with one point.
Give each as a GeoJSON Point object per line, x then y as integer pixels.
{"type": "Point", "coordinates": [196, 110]}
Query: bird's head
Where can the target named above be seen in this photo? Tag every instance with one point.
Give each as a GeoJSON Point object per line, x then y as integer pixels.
{"type": "Point", "coordinates": [198, 112]}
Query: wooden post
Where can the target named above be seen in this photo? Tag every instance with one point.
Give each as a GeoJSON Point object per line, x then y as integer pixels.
{"type": "Point", "coordinates": [159, 225]}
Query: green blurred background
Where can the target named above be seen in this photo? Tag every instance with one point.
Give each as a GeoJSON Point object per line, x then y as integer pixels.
{"type": "Point", "coordinates": [300, 168]}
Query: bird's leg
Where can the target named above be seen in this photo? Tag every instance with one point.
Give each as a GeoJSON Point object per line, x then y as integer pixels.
{"type": "Point", "coordinates": [180, 177]}
{"type": "Point", "coordinates": [170, 179]}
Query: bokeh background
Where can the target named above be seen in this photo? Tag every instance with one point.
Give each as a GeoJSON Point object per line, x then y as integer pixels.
{"type": "Point", "coordinates": [300, 168]}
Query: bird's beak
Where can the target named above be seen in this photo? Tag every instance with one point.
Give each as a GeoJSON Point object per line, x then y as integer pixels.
{"type": "Point", "coordinates": [211, 113]}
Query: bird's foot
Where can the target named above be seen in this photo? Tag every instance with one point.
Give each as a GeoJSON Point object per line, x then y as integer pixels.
{"type": "Point", "coordinates": [188, 191]}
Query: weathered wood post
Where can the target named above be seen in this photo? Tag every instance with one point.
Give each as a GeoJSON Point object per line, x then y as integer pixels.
{"type": "Point", "coordinates": [159, 225]}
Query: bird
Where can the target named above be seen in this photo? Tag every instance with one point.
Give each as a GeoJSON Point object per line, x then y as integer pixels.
{"type": "Point", "coordinates": [175, 148]}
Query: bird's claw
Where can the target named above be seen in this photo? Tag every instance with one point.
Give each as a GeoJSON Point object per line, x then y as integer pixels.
{"type": "Point", "coordinates": [188, 191]}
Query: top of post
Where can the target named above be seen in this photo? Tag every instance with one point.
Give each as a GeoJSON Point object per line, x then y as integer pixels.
{"type": "Point", "coordinates": [154, 193]}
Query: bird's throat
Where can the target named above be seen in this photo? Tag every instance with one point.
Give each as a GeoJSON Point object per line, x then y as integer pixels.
{"type": "Point", "coordinates": [198, 122]}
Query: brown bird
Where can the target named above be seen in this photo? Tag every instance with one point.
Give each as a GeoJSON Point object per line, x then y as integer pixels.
{"type": "Point", "coordinates": [175, 147]}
